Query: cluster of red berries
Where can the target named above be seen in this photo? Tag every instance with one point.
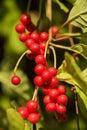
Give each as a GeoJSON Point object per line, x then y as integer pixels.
{"type": "Point", "coordinates": [55, 97]}
{"type": "Point", "coordinates": [30, 111]}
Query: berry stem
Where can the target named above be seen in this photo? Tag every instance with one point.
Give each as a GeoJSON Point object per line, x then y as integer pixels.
{"type": "Point", "coordinates": [76, 106]}
{"type": "Point", "coordinates": [54, 54]}
{"type": "Point", "coordinates": [35, 93]}
{"type": "Point", "coordinates": [28, 6]}
{"type": "Point", "coordinates": [34, 127]}
{"type": "Point", "coordinates": [19, 60]}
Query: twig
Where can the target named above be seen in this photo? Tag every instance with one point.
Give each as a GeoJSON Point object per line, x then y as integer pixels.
{"type": "Point", "coordinates": [70, 31]}
{"type": "Point", "coordinates": [76, 106]}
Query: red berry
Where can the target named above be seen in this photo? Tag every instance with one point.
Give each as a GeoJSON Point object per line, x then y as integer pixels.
{"type": "Point", "coordinates": [42, 45]}
{"type": "Point", "coordinates": [53, 71]}
{"type": "Point", "coordinates": [62, 99]}
{"type": "Point", "coordinates": [35, 36]}
{"type": "Point", "coordinates": [20, 28]}
{"type": "Point", "coordinates": [32, 106]}
{"type": "Point", "coordinates": [35, 48]}
{"type": "Point", "coordinates": [31, 27]}
{"type": "Point", "coordinates": [51, 107]}
{"type": "Point", "coordinates": [31, 56]}
{"type": "Point", "coordinates": [29, 42]}
{"type": "Point", "coordinates": [55, 29]}
{"type": "Point", "coordinates": [34, 117]}
{"type": "Point", "coordinates": [23, 112]}
{"type": "Point", "coordinates": [39, 69]}
{"type": "Point", "coordinates": [40, 59]}
{"type": "Point", "coordinates": [62, 89]}
{"type": "Point", "coordinates": [53, 93]}
{"type": "Point", "coordinates": [53, 82]}
{"type": "Point", "coordinates": [46, 90]}
{"type": "Point", "coordinates": [15, 80]}
{"type": "Point", "coordinates": [25, 19]}
{"type": "Point", "coordinates": [44, 36]}
{"type": "Point", "coordinates": [46, 75]}
{"type": "Point", "coordinates": [38, 81]}
{"type": "Point", "coordinates": [61, 109]}
{"type": "Point", "coordinates": [47, 99]}
{"type": "Point", "coordinates": [23, 37]}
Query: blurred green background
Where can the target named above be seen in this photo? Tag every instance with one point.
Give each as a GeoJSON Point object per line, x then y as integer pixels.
{"type": "Point", "coordinates": [11, 49]}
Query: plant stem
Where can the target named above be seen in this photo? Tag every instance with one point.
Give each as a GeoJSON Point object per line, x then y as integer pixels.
{"type": "Point", "coordinates": [70, 31]}
{"type": "Point", "coordinates": [54, 54]}
{"type": "Point", "coordinates": [28, 6]}
{"type": "Point", "coordinates": [19, 60]}
{"type": "Point", "coordinates": [35, 93]}
{"type": "Point", "coordinates": [76, 106]}
{"type": "Point", "coordinates": [34, 127]}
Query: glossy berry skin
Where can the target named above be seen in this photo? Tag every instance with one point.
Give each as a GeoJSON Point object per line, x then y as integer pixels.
{"type": "Point", "coordinates": [47, 99]}
{"type": "Point", "coordinates": [35, 36]}
{"type": "Point", "coordinates": [20, 28]}
{"type": "Point", "coordinates": [25, 19]}
{"type": "Point", "coordinates": [23, 112]}
{"type": "Point", "coordinates": [46, 90]}
{"type": "Point", "coordinates": [53, 71]}
{"type": "Point", "coordinates": [32, 106]}
{"type": "Point", "coordinates": [23, 37]}
{"type": "Point", "coordinates": [15, 80]}
{"type": "Point", "coordinates": [46, 75]}
{"type": "Point", "coordinates": [62, 89]}
{"type": "Point", "coordinates": [39, 68]}
{"type": "Point", "coordinates": [61, 109]}
{"type": "Point", "coordinates": [30, 27]}
{"type": "Point", "coordinates": [38, 81]}
{"type": "Point", "coordinates": [44, 36]}
{"type": "Point", "coordinates": [62, 99]}
{"type": "Point", "coordinates": [35, 48]}
{"type": "Point", "coordinates": [51, 107]}
{"type": "Point", "coordinates": [54, 29]}
{"type": "Point", "coordinates": [42, 45]}
{"type": "Point", "coordinates": [29, 42]}
{"type": "Point", "coordinates": [53, 82]}
{"type": "Point", "coordinates": [53, 93]}
{"type": "Point", "coordinates": [34, 117]}
{"type": "Point", "coordinates": [40, 59]}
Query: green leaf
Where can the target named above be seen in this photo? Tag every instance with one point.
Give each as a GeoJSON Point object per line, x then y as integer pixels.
{"type": "Point", "coordinates": [78, 14]}
{"type": "Point", "coordinates": [73, 69]}
{"type": "Point", "coordinates": [26, 127]}
{"type": "Point", "coordinates": [15, 120]}
{"type": "Point", "coordinates": [80, 49]}
{"type": "Point", "coordinates": [61, 5]}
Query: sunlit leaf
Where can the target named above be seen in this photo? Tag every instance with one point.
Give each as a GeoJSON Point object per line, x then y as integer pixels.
{"type": "Point", "coordinates": [15, 120]}
{"type": "Point", "coordinates": [73, 69]}
{"type": "Point", "coordinates": [78, 14]}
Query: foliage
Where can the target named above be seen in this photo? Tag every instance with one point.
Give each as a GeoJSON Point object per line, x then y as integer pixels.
{"type": "Point", "coordinates": [71, 61]}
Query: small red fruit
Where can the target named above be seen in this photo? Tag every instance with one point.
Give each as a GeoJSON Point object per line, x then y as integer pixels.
{"type": "Point", "coordinates": [53, 93]}
{"type": "Point", "coordinates": [47, 99]}
{"type": "Point", "coordinates": [44, 36]}
{"type": "Point", "coordinates": [55, 29]}
{"type": "Point", "coordinates": [40, 59]}
{"type": "Point", "coordinates": [23, 112]}
{"type": "Point", "coordinates": [20, 28]}
{"type": "Point", "coordinates": [62, 99]}
{"type": "Point", "coordinates": [53, 82]}
{"type": "Point", "coordinates": [39, 68]}
{"type": "Point", "coordinates": [62, 89]}
{"type": "Point", "coordinates": [25, 19]}
{"type": "Point", "coordinates": [29, 42]}
{"type": "Point", "coordinates": [35, 36]}
{"type": "Point", "coordinates": [34, 117]}
{"type": "Point", "coordinates": [46, 75]}
{"type": "Point", "coordinates": [61, 109]}
{"type": "Point", "coordinates": [23, 37]}
{"type": "Point", "coordinates": [51, 107]}
{"type": "Point", "coordinates": [38, 81]}
{"type": "Point", "coordinates": [53, 71]}
{"type": "Point", "coordinates": [32, 106]}
{"type": "Point", "coordinates": [15, 80]}
{"type": "Point", "coordinates": [35, 48]}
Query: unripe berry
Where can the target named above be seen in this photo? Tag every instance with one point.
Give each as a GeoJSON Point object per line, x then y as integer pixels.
{"type": "Point", "coordinates": [15, 80]}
